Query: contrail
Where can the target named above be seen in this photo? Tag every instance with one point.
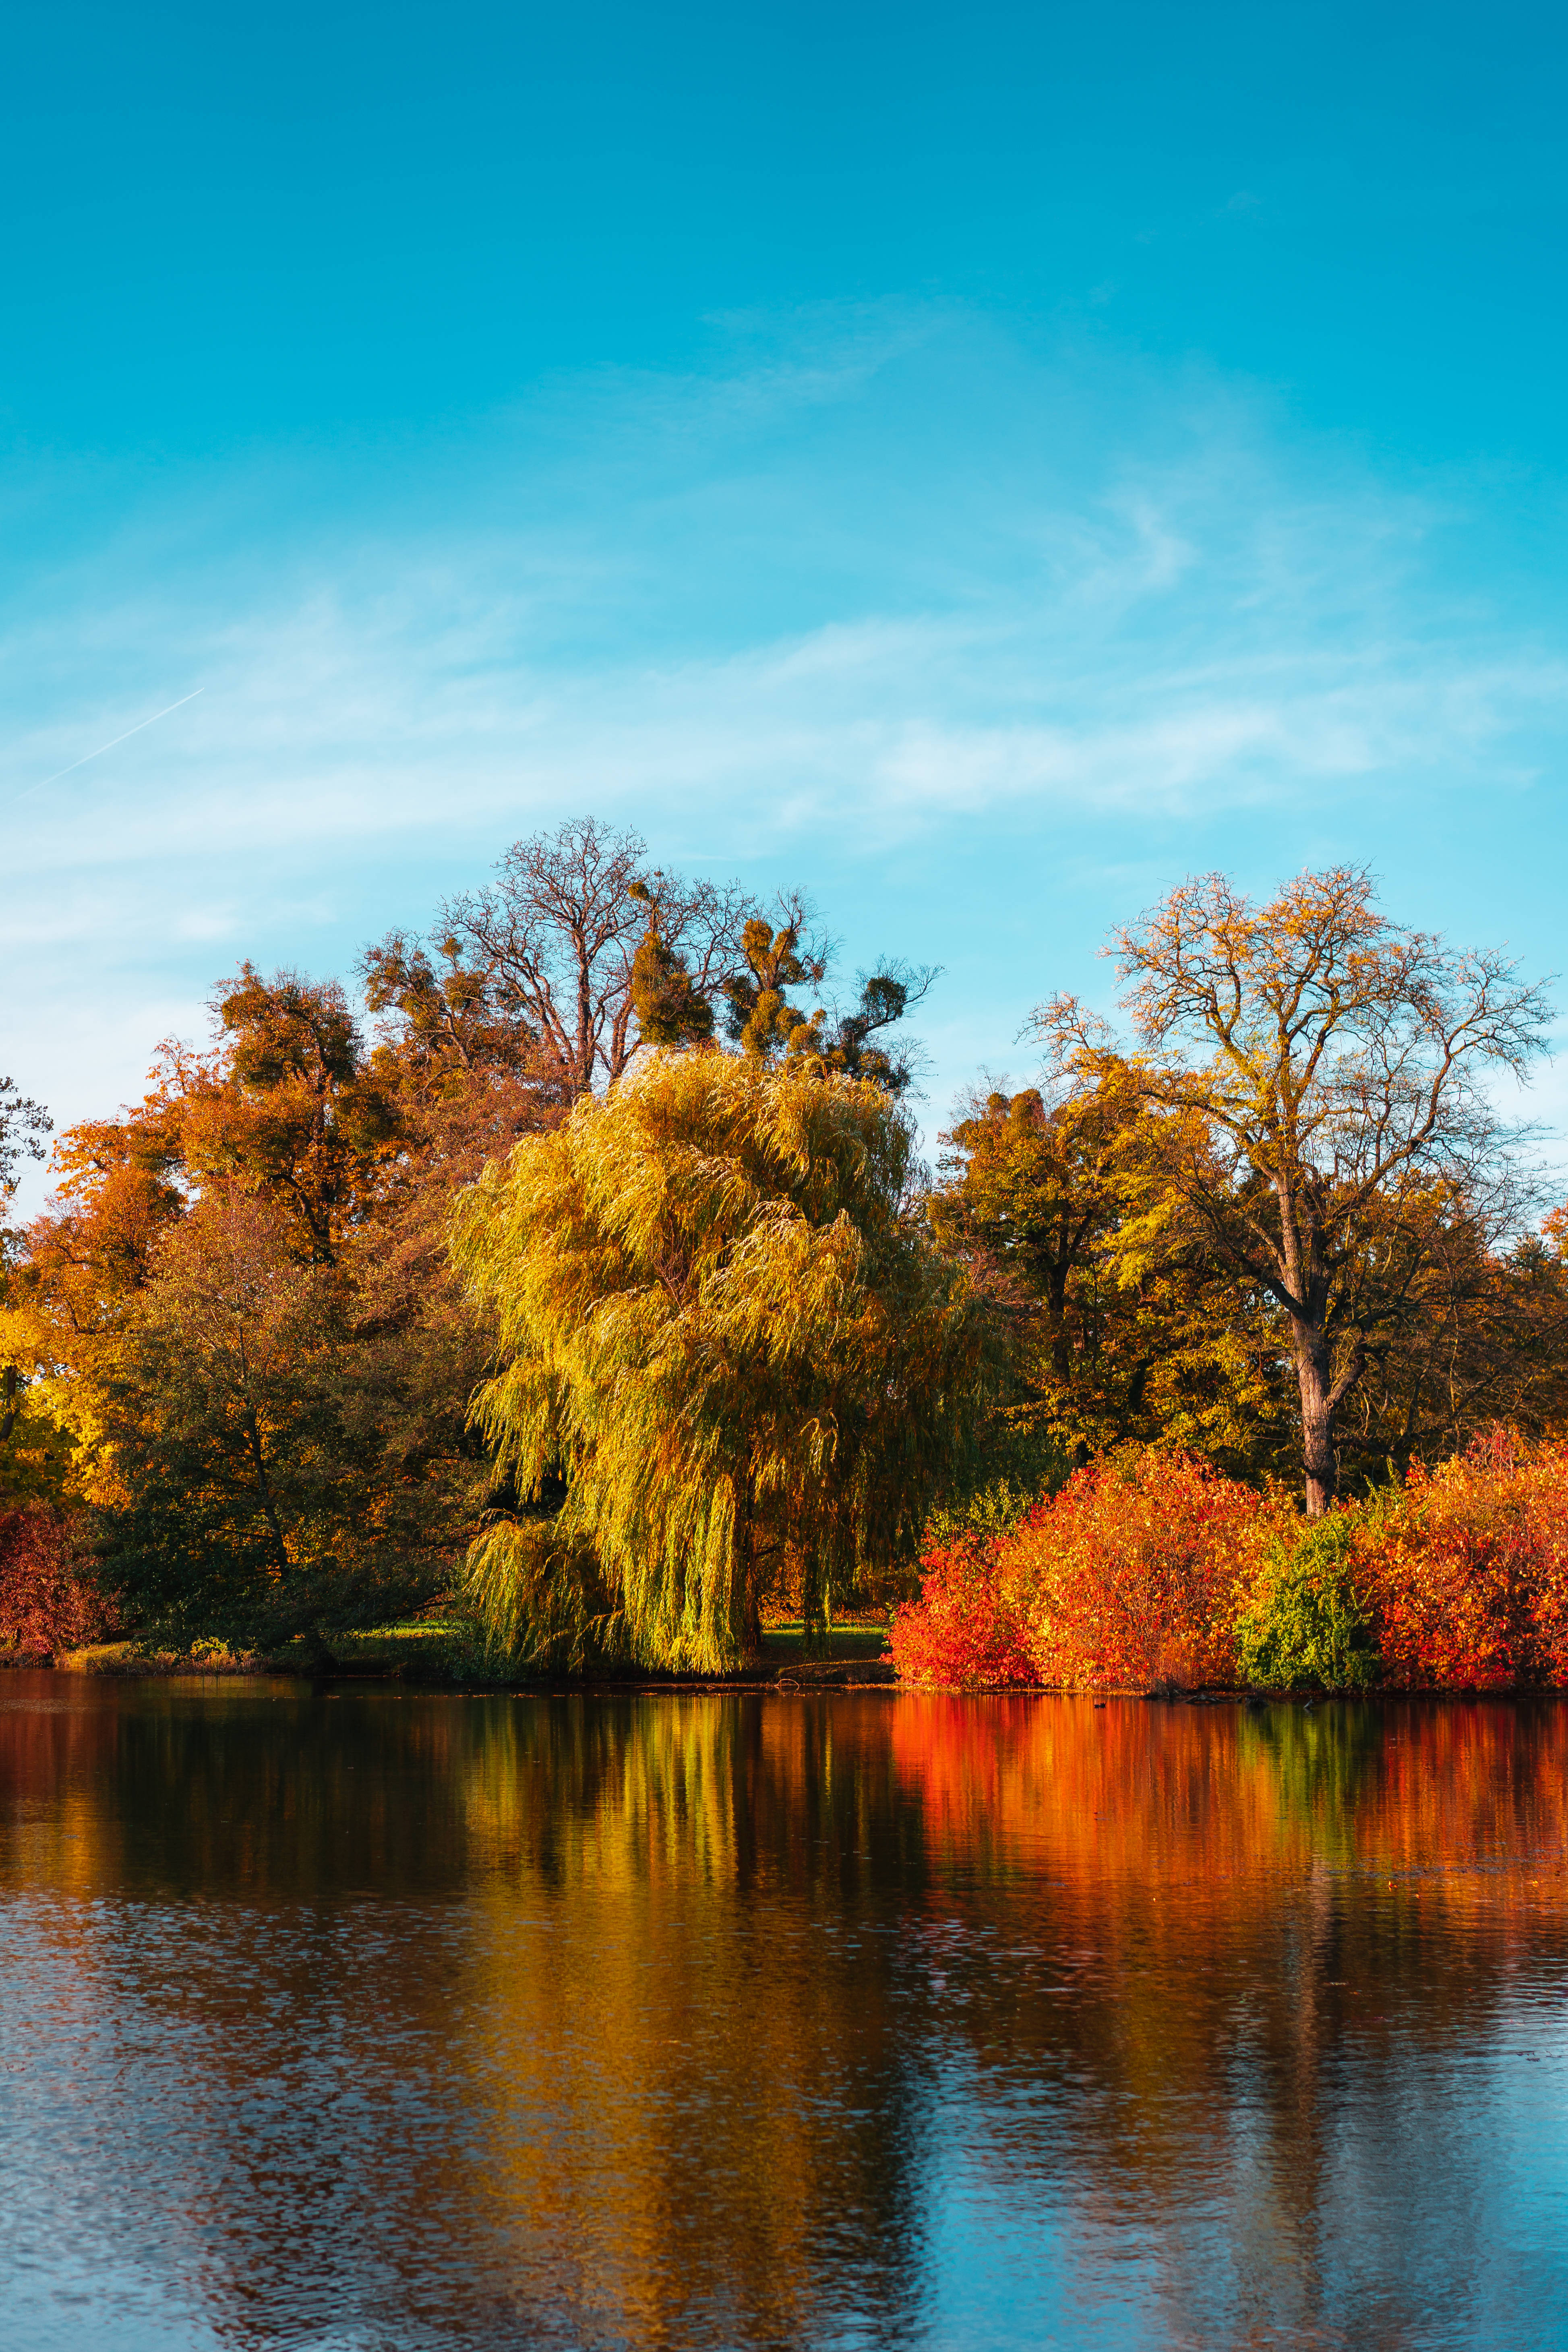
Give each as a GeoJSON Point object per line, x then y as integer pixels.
{"type": "Point", "coordinates": [109, 747]}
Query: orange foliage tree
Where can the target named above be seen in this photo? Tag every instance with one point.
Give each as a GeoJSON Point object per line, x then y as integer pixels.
{"type": "Point", "coordinates": [1160, 1346]}
{"type": "Point", "coordinates": [236, 1305]}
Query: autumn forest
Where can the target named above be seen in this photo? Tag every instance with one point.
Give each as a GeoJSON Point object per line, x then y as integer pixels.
{"type": "Point", "coordinates": [573, 1283]}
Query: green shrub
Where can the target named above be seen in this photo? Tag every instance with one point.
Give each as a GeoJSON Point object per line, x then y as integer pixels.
{"type": "Point", "coordinates": [1306, 1625]}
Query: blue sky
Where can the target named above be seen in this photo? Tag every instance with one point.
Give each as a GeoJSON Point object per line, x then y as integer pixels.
{"type": "Point", "coordinates": [983, 463]}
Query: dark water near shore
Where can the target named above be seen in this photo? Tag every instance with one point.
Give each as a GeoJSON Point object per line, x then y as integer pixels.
{"type": "Point", "coordinates": [375, 2019]}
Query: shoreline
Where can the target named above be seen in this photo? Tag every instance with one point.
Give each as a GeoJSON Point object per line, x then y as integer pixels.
{"type": "Point", "coordinates": [790, 1680]}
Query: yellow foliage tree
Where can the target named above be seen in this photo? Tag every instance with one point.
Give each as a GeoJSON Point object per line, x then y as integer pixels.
{"type": "Point", "coordinates": [1321, 1072]}
{"type": "Point", "coordinates": [727, 1331]}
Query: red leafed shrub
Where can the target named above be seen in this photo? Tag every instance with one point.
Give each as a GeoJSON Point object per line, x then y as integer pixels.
{"type": "Point", "coordinates": [1146, 1565]}
{"type": "Point", "coordinates": [961, 1631]}
{"type": "Point", "coordinates": [1465, 1577]}
{"type": "Point", "coordinates": [48, 1601]}
{"type": "Point", "coordinates": [1130, 1577]}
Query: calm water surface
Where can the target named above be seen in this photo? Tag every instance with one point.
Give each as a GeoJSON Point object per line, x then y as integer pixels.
{"type": "Point", "coordinates": [368, 2019]}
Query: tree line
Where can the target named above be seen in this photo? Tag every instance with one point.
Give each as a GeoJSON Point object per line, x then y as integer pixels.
{"type": "Point", "coordinates": [593, 1268]}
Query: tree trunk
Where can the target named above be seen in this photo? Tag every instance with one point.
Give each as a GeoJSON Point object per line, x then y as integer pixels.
{"type": "Point", "coordinates": [584, 1017]}
{"type": "Point", "coordinates": [1313, 1375]}
{"type": "Point", "coordinates": [745, 1616]}
{"type": "Point", "coordinates": [1056, 1318]}
{"type": "Point", "coordinates": [264, 1487]}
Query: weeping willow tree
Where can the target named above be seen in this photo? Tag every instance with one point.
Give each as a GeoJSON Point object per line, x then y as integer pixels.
{"type": "Point", "coordinates": [722, 1327]}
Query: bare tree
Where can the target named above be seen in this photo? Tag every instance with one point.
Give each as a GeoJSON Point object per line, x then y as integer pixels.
{"type": "Point", "coordinates": [1319, 1071]}
{"type": "Point", "coordinates": [558, 931]}
{"type": "Point", "coordinates": [551, 961]}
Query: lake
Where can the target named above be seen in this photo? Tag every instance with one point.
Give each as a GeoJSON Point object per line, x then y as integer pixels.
{"type": "Point", "coordinates": [364, 2018]}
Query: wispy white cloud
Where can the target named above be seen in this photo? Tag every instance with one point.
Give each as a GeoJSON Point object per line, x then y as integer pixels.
{"type": "Point", "coordinates": [359, 718]}
{"type": "Point", "coordinates": [864, 597]}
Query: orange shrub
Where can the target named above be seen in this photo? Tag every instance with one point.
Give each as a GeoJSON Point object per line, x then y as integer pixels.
{"type": "Point", "coordinates": [1465, 1577]}
{"type": "Point", "coordinates": [1147, 1567]}
{"type": "Point", "coordinates": [1131, 1576]}
{"type": "Point", "coordinates": [961, 1631]}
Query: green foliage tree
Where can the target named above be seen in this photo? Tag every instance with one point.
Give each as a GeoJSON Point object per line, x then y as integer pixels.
{"type": "Point", "coordinates": [1118, 1346]}
{"type": "Point", "coordinates": [258, 1482]}
{"type": "Point", "coordinates": [670, 1008]}
{"type": "Point", "coordinates": [218, 1420]}
{"type": "Point", "coordinates": [764, 1021]}
{"type": "Point", "coordinates": [730, 1337]}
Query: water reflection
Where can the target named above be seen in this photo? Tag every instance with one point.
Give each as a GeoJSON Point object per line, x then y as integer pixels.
{"type": "Point", "coordinates": [393, 2021]}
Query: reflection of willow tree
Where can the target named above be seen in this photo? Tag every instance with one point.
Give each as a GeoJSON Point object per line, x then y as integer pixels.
{"type": "Point", "coordinates": [586, 2000]}
{"type": "Point", "coordinates": [1234, 1901]}
{"type": "Point", "coordinates": [704, 1993]}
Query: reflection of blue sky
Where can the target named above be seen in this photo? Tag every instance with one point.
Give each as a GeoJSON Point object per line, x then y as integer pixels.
{"type": "Point", "coordinates": [983, 464]}
{"type": "Point", "coordinates": [1016, 2252]}
{"type": "Point", "coordinates": [1423, 2203]}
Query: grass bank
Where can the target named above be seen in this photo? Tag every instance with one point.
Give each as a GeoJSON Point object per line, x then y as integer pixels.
{"type": "Point", "coordinates": [447, 1652]}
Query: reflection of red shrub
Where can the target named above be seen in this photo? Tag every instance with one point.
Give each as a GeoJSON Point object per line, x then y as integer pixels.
{"type": "Point", "coordinates": [961, 1630]}
{"type": "Point", "coordinates": [1467, 1576]}
{"type": "Point", "coordinates": [1110, 1806]}
{"type": "Point", "coordinates": [46, 1600]}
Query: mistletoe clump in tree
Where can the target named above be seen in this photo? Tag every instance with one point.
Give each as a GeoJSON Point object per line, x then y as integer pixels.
{"type": "Point", "coordinates": [728, 1337]}
{"type": "Point", "coordinates": [764, 1022]}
